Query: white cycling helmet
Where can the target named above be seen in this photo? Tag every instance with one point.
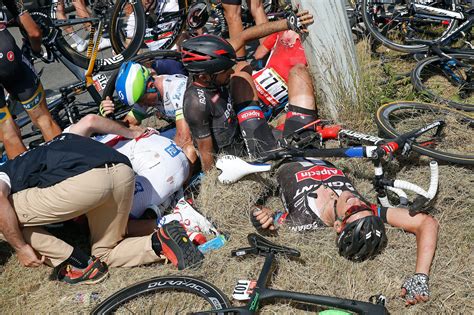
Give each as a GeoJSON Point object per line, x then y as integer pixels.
{"type": "Point", "coordinates": [131, 82]}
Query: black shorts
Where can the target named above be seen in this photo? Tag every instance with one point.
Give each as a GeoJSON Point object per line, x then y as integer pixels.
{"type": "Point", "coordinates": [17, 74]}
{"type": "Point", "coordinates": [236, 2]}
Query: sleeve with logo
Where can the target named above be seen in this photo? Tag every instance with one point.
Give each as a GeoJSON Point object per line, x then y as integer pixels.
{"type": "Point", "coordinates": [197, 114]}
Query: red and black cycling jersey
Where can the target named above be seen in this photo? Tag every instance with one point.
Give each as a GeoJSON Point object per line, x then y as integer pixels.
{"type": "Point", "coordinates": [305, 187]}
{"type": "Point", "coordinates": [209, 113]}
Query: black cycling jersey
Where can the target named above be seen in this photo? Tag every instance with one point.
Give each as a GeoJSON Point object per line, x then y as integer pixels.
{"type": "Point", "coordinates": [303, 186]}
{"type": "Point", "coordinates": [209, 113]}
{"type": "Point", "coordinates": [17, 74]}
{"type": "Point", "coordinates": [65, 156]}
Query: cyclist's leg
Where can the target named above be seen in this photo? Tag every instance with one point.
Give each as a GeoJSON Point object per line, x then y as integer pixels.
{"type": "Point", "coordinates": [81, 12]}
{"type": "Point", "coordinates": [40, 116]}
{"type": "Point", "coordinates": [232, 14]}
{"type": "Point", "coordinates": [300, 87]}
{"type": "Point", "coordinates": [9, 131]}
{"type": "Point", "coordinates": [258, 12]}
{"type": "Point", "coordinates": [29, 91]}
{"type": "Point", "coordinates": [301, 108]}
{"type": "Point", "coordinates": [256, 132]}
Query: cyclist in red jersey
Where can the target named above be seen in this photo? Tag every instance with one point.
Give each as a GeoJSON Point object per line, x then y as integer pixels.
{"type": "Point", "coordinates": [285, 51]}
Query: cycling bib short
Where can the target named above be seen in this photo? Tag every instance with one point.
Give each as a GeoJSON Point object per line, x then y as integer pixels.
{"type": "Point", "coordinates": [160, 165]}
{"type": "Point", "coordinates": [17, 76]}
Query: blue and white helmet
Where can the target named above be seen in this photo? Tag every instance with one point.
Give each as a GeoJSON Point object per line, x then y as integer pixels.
{"type": "Point", "coordinates": [131, 82]}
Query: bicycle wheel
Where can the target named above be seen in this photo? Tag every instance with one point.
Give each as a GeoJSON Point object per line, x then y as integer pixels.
{"type": "Point", "coordinates": [165, 295]}
{"type": "Point", "coordinates": [456, 142]}
{"type": "Point", "coordinates": [165, 24]}
{"type": "Point", "coordinates": [391, 22]}
{"type": "Point", "coordinates": [446, 81]}
{"type": "Point", "coordinates": [114, 46]}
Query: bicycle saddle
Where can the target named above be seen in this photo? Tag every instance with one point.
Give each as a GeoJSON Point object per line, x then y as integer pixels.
{"type": "Point", "coordinates": [262, 246]}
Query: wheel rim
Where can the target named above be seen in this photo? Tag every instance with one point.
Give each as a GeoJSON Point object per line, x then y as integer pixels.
{"type": "Point", "coordinates": [456, 139]}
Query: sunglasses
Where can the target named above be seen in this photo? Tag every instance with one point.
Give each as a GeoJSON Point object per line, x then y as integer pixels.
{"type": "Point", "coordinates": [150, 85]}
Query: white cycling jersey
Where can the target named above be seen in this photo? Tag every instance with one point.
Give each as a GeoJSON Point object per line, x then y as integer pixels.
{"type": "Point", "coordinates": [174, 86]}
{"type": "Point", "coordinates": [160, 165]}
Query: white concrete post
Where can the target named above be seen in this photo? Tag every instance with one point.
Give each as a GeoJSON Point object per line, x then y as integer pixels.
{"type": "Point", "coordinates": [331, 54]}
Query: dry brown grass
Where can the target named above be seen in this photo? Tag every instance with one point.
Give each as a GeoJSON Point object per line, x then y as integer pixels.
{"type": "Point", "coordinates": [320, 270]}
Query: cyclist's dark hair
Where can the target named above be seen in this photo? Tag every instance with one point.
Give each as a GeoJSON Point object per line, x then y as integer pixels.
{"type": "Point", "coordinates": [362, 239]}
{"type": "Point", "coordinates": [207, 54]}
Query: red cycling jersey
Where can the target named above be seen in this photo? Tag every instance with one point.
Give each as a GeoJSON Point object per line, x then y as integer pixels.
{"type": "Point", "coordinates": [285, 52]}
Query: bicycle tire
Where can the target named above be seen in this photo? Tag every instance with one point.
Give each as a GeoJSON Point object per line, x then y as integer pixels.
{"type": "Point", "coordinates": [430, 80]}
{"type": "Point", "coordinates": [163, 29]}
{"type": "Point", "coordinates": [203, 289]}
{"type": "Point", "coordinates": [396, 118]}
{"type": "Point", "coordinates": [109, 63]}
{"type": "Point", "coordinates": [369, 21]}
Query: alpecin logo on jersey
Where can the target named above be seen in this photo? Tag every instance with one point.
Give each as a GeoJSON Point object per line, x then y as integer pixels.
{"type": "Point", "coordinates": [319, 173]}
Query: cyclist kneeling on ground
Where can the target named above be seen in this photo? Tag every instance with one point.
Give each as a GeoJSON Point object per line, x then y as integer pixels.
{"type": "Point", "coordinates": [35, 190]}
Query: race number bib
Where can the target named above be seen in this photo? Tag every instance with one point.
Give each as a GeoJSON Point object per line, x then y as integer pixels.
{"type": "Point", "coordinates": [100, 81]}
{"type": "Point", "coordinates": [271, 87]}
{"type": "Point", "coordinates": [243, 289]}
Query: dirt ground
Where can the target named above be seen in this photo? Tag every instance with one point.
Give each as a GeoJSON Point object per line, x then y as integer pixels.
{"type": "Point", "coordinates": [320, 270]}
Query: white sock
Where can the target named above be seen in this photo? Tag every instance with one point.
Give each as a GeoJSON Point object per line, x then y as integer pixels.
{"type": "Point", "coordinates": [77, 38]}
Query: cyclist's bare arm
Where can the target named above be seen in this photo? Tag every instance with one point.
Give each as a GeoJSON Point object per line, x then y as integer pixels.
{"type": "Point", "coordinates": [9, 225]}
{"type": "Point", "coordinates": [262, 30]}
{"type": "Point", "coordinates": [206, 153]}
{"type": "Point", "coordinates": [95, 124]}
{"type": "Point", "coordinates": [425, 228]}
{"type": "Point", "coordinates": [261, 52]}
{"type": "Point", "coordinates": [33, 31]}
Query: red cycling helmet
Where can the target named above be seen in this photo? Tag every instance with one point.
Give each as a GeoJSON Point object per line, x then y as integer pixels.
{"type": "Point", "coordinates": [207, 54]}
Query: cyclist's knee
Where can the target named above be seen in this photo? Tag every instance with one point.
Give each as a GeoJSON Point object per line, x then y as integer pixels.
{"type": "Point", "coordinates": [298, 70]}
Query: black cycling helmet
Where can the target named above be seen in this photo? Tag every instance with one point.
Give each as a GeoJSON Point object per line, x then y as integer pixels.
{"type": "Point", "coordinates": [362, 239]}
{"type": "Point", "coordinates": [207, 54]}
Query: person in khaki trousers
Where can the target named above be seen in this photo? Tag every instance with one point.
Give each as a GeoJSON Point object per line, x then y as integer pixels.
{"type": "Point", "coordinates": [62, 180]}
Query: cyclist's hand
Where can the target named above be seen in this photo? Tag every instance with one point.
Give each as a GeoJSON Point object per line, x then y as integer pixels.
{"type": "Point", "coordinates": [138, 131]}
{"type": "Point", "coordinates": [262, 219]}
{"type": "Point", "coordinates": [299, 22]}
{"type": "Point", "coordinates": [28, 258]}
{"type": "Point", "coordinates": [416, 289]}
{"type": "Point", "coordinates": [107, 107]}
{"type": "Point", "coordinates": [130, 121]}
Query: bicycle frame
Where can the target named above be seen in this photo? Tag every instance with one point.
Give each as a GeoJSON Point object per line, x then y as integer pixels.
{"type": "Point", "coordinates": [262, 293]}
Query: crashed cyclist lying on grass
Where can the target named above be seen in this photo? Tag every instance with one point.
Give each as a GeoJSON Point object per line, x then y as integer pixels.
{"type": "Point", "coordinates": [317, 194]}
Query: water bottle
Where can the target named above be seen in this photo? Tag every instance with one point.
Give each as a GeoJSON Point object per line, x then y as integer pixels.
{"type": "Point", "coordinates": [216, 243]}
